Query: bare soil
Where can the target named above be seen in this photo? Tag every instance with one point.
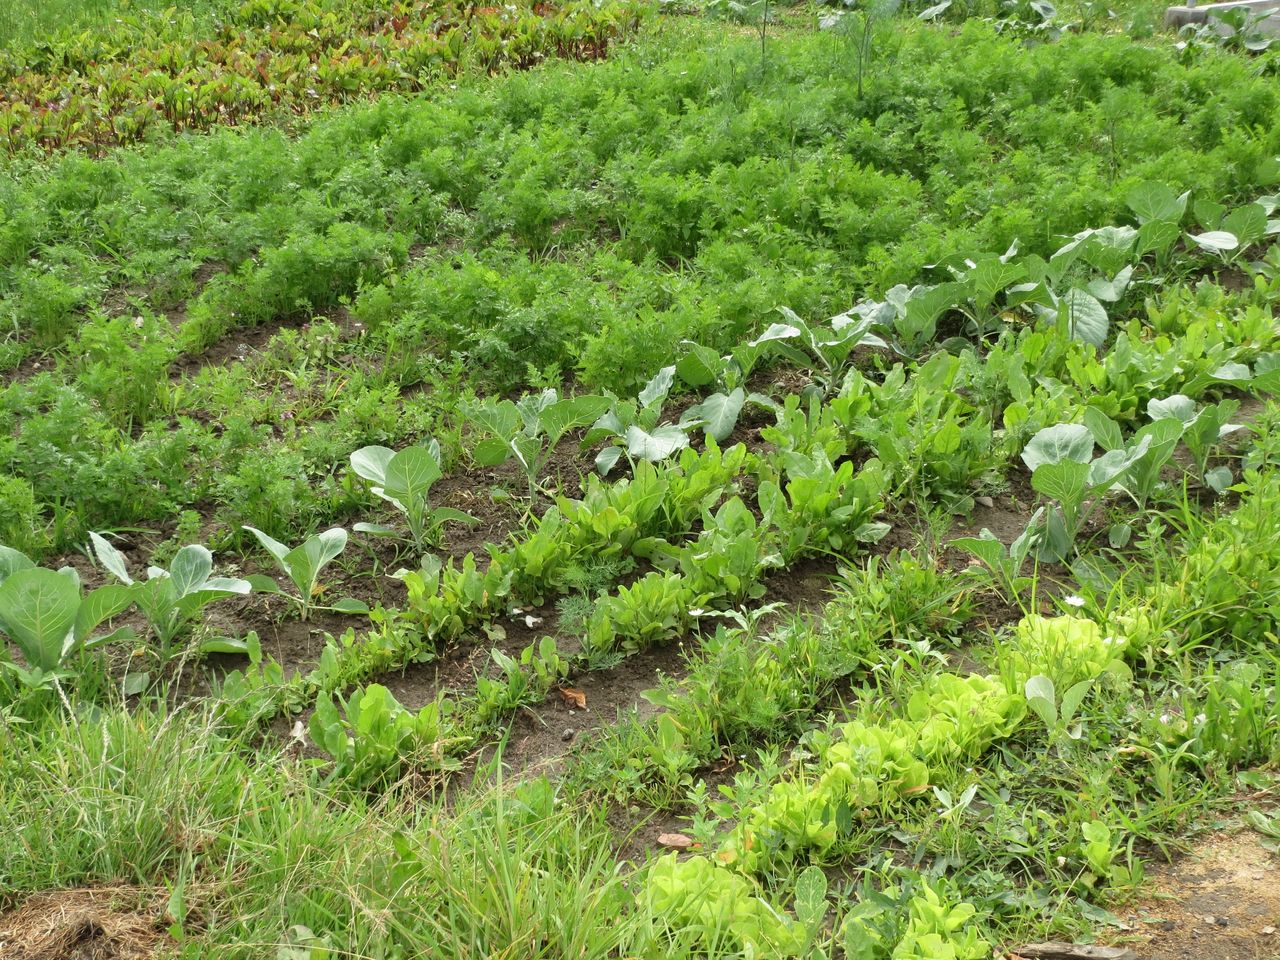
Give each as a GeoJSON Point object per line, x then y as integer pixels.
{"type": "Point", "coordinates": [1219, 901]}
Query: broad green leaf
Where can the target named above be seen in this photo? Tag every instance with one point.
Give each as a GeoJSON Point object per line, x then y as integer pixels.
{"type": "Point", "coordinates": [1176, 407]}
{"type": "Point", "coordinates": [1041, 698]}
{"type": "Point", "coordinates": [718, 413]}
{"type": "Point", "coordinates": [811, 896]}
{"type": "Point", "coordinates": [1066, 482]}
{"type": "Point", "coordinates": [11, 561]}
{"type": "Point", "coordinates": [564, 415]}
{"type": "Point", "coordinates": [261, 583]}
{"type": "Point", "coordinates": [658, 387]}
{"type": "Point", "coordinates": [1085, 317]}
{"type": "Point", "coordinates": [371, 463]}
{"type": "Point", "coordinates": [1155, 201]}
{"type": "Point", "coordinates": [450, 515]}
{"type": "Point", "coordinates": [272, 546]}
{"type": "Point", "coordinates": [110, 557]}
{"type": "Point", "coordinates": [375, 529]}
{"type": "Point", "coordinates": [701, 366]}
{"type": "Point", "coordinates": [1208, 213]}
{"type": "Point", "coordinates": [1248, 224]}
{"type": "Point", "coordinates": [1065, 441]}
{"type": "Point", "coordinates": [1156, 236]}
{"type": "Point", "coordinates": [100, 605]}
{"type": "Point", "coordinates": [1219, 479]}
{"type": "Point", "coordinates": [501, 418]}
{"type": "Point", "coordinates": [350, 605]}
{"type": "Point", "coordinates": [1215, 241]}
{"type": "Point", "coordinates": [1113, 289]}
{"type": "Point", "coordinates": [1106, 432]}
{"type": "Point", "coordinates": [190, 568]}
{"type": "Point", "coordinates": [409, 476]}
{"type": "Point", "coordinates": [38, 609]}
{"type": "Point", "coordinates": [491, 451]}
{"type": "Point", "coordinates": [607, 459]}
{"type": "Point", "coordinates": [1073, 698]}
{"type": "Point", "coordinates": [655, 446]}
{"type": "Point", "coordinates": [777, 331]}
{"type": "Point", "coordinates": [1113, 464]}
{"type": "Point", "coordinates": [985, 547]}
{"type": "Point", "coordinates": [223, 645]}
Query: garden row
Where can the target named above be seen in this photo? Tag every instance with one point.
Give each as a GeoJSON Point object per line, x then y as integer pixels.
{"type": "Point", "coordinates": [141, 76]}
{"type": "Point", "coordinates": [522, 232]}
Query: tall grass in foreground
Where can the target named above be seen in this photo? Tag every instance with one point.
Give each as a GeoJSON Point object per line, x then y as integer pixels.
{"type": "Point", "coordinates": [166, 802]}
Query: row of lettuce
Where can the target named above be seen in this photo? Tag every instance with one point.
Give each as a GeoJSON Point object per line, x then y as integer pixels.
{"type": "Point", "coordinates": [1042, 672]}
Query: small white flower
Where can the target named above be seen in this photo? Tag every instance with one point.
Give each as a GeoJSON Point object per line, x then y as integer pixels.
{"type": "Point", "coordinates": [1200, 718]}
{"type": "Point", "coordinates": [1073, 601]}
{"type": "Point", "coordinates": [1164, 718]}
{"type": "Point", "coordinates": [697, 612]}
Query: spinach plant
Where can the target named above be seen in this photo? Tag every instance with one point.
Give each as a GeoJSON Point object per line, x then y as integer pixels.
{"type": "Point", "coordinates": [404, 480]}
{"type": "Point", "coordinates": [302, 565]}
{"type": "Point", "coordinates": [170, 599]}
{"type": "Point", "coordinates": [371, 736]}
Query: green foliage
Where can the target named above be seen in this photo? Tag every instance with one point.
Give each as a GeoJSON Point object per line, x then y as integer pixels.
{"type": "Point", "coordinates": [370, 736]}
{"type": "Point", "coordinates": [170, 599]}
{"type": "Point", "coordinates": [47, 616]}
{"type": "Point", "coordinates": [303, 566]}
{"type": "Point", "coordinates": [404, 480]}
{"type": "Point", "coordinates": [528, 431]}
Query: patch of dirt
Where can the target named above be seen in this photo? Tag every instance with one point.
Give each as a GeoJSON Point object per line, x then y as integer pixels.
{"type": "Point", "coordinates": [1214, 903]}
{"type": "Point", "coordinates": [541, 736]}
{"type": "Point", "coordinates": [114, 923]}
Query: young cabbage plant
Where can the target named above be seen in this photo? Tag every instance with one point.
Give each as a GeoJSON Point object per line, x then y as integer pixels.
{"type": "Point", "coordinates": [718, 413]}
{"type": "Point", "coordinates": [302, 565]}
{"type": "Point", "coordinates": [1143, 477]}
{"type": "Point", "coordinates": [830, 348]}
{"type": "Point", "coordinates": [637, 424]}
{"type": "Point", "coordinates": [1006, 563]}
{"type": "Point", "coordinates": [170, 599]}
{"type": "Point", "coordinates": [404, 480]}
{"type": "Point", "coordinates": [50, 620]}
{"type": "Point", "coordinates": [1062, 467]}
{"type": "Point", "coordinates": [1203, 429]}
{"type": "Point", "coordinates": [530, 429]}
